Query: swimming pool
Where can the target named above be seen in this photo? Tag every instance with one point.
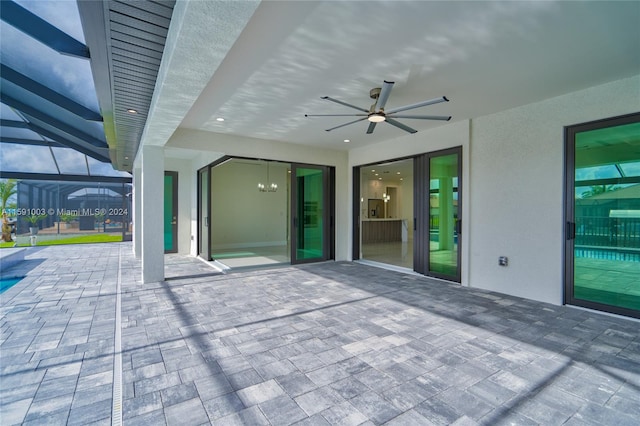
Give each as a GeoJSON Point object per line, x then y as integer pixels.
{"type": "Point", "coordinates": [7, 283]}
{"type": "Point", "coordinates": [607, 254]}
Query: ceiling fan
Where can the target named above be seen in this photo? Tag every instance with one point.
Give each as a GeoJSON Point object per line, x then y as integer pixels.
{"type": "Point", "coordinates": [377, 114]}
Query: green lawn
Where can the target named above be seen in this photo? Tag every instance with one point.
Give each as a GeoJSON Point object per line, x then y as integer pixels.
{"type": "Point", "coordinates": [81, 239]}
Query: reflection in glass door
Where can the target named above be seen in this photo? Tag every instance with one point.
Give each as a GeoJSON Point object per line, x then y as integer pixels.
{"type": "Point", "coordinates": [438, 210]}
{"type": "Point", "coordinates": [444, 220]}
{"type": "Point", "coordinates": [602, 255]}
{"type": "Point", "coordinates": [309, 213]}
{"type": "Point", "coordinates": [170, 212]}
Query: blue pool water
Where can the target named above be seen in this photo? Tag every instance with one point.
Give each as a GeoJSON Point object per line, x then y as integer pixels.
{"type": "Point", "coordinates": [7, 283]}
{"type": "Point", "coordinates": [618, 255]}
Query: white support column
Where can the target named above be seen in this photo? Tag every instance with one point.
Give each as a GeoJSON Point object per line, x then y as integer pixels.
{"type": "Point", "coordinates": [152, 220]}
{"type": "Point", "coordinates": [137, 212]}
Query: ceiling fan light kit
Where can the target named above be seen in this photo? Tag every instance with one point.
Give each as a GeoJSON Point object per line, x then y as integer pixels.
{"type": "Point", "coordinates": [377, 114]}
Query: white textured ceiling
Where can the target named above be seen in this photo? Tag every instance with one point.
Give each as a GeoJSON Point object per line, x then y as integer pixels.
{"type": "Point", "coordinates": [264, 70]}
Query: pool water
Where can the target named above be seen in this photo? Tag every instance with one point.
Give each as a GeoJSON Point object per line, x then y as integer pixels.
{"type": "Point", "coordinates": [7, 283]}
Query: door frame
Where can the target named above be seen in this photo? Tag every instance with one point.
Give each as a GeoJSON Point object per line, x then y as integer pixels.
{"type": "Point", "coordinates": [569, 225]}
{"type": "Point", "coordinates": [421, 206]}
{"type": "Point", "coordinates": [204, 245]}
{"type": "Point", "coordinates": [329, 184]}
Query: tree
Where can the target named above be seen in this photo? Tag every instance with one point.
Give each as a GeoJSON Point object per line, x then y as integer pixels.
{"type": "Point", "coordinates": [8, 188]}
{"type": "Point", "coordinates": [599, 189]}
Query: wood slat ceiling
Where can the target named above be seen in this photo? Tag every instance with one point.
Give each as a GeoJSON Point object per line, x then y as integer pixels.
{"type": "Point", "coordinates": [128, 40]}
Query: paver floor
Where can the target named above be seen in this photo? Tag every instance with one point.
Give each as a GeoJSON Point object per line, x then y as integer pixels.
{"type": "Point", "coordinates": [332, 343]}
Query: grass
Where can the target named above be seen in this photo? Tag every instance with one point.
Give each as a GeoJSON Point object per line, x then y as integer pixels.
{"type": "Point", "coordinates": [82, 239]}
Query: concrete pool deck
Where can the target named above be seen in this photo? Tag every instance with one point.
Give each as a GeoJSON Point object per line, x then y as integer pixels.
{"type": "Point", "coordinates": [85, 342]}
{"type": "Point", "coordinates": [10, 257]}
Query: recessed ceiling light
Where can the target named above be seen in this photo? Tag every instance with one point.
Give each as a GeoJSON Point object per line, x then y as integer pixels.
{"type": "Point", "coordinates": [377, 174]}
{"type": "Point", "coordinates": [219, 119]}
{"type": "Point", "coordinates": [126, 158]}
{"type": "Point", "coordinates": [401, 178]}
{"type": "Point", "coordinates": [397, 173]}
{"type": "Point", "coordinates": [347, 141]}
{"type": "Point", "coordinates": [132, 111]}
{"type": "Point", "coordinates": [372, 170]}
{"type": "Point", "coordinates": [379, 178]}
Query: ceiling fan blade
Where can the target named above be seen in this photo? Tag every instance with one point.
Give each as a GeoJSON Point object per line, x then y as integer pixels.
{"type": "Point", "coordinates": [384, 94]}
{"type": "Point", "coordinates": [418, 105]}
{"type": "Point", "coordinates": [336, 115]}
{"type": "Point", "coordinates": [371, 127]}
{"type": "Point", "coordinates": [423, 117]}
{"type": "Point", "coordinates": [400, 125]}
{"type": "Point", "coordinates": [345, 104]}
{"type": "Point", "coordinates": [346, 124]}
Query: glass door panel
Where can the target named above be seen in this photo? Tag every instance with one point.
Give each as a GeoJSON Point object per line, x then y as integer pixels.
{"type": "Point", "coordinates": [603, 223]}
{"type": "Point", "coordinates": [170, 212]}
{"type": "Point", "coordinates": [203, 214]}
{"type": "Point", "coordinates": [309, 213]}
{"type": "Point", "coordinates": [444, 215]}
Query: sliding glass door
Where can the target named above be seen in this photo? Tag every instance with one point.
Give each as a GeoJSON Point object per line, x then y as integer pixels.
{"type": "Point", "coordinates": [254, 212]}
{"type": "Point", "coordinates": [408, 213]}
{"type": "Point", "coordinates": [311, 215]}
{"type": "Point", "coordinates": [444, 215]}
{"type": "Point", "coordinates": [203, 214]}
{"type": "Point", "coordinates": [602, 251]}
{"type": "Point", "coordinates": [438, 210]}
{"type": "Point", "coordinates": [170, 212]}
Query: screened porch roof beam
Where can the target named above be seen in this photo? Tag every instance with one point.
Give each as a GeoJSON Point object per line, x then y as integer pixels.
{"type": "Point", "coordinates": [46, 93]}
{"type": "Point", "coordinates": [39, 29]}
{"type": "Point", "coordinates": [46, 118]}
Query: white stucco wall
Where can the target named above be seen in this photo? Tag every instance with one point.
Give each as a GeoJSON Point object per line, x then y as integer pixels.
{"type": "Point", "coordinates": [516, 188]}
{"type": "Point", "coordinates": [513, 165]}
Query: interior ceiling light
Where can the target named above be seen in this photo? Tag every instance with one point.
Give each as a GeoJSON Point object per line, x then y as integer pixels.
{"type": "Point", "coordinates": [347, 141]}
{"type": "Point", "coordinates": [219, 119]}
{"type": "Point", "coordinates": [132, 111]}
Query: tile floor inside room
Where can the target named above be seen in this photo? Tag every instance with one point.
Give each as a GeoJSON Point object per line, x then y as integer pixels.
{"type": "Point", "coordinates": [329, 343]}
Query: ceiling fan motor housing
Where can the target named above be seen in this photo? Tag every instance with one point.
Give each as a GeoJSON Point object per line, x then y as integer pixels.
{"type": "Point", "coordinates": [375, 92]}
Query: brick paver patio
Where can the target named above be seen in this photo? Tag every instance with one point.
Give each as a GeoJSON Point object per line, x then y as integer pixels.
{"type": "Point", "coordinates": [332, 343]}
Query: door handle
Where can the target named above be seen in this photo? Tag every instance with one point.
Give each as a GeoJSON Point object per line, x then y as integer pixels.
{"type": "Point", "coordinates": [174, 221]}
{"type": "Point", "coordinates": [571, 230]}
{"type": "Point", "coordinates": [459, 226]}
